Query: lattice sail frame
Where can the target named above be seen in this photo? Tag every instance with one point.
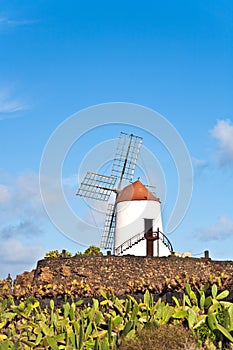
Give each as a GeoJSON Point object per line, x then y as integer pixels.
{"type": "Point", "coordinates": [108, 233]}
{"type": "Point", "coordinates": [126, 156]}
{"type": "Point", "coordinates": [97, 186]}
{"type": "Point", "coordinates": [100, 187]}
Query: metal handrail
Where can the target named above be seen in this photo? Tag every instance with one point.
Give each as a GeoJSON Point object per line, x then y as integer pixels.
{"type": "Point", "coordinates": [141, 236]}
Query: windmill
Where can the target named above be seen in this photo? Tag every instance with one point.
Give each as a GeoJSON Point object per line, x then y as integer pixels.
{"type": "Point", "coordinates": [100, 187]}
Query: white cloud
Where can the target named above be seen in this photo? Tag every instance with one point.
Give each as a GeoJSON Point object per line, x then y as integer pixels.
{"type": "Point", "coordinates": [5, 194]}
{"type": "Point", "coordinates": [199, 166]}
{"type": "Point", "coordinates": [8, 22]}
{"type": "Point", "coordinates": [20, 198]}
{"type": "Point", "coordinates": [199, 163]}
{"type": "Point", "coordinates": [70, 185]}
{"type": "Point", "coordinates": [22, 193]}
{"type": "Point", "coordinates": [17, 257]}
{"type": "Point", "coordinates": [28, 194]}
{"type": "Point", "coordinates": [9, 103]}
{"type": "Point", "coordinates": [23, 220]}
{"type": "Point", "coordinates": [221, 229]}
{"type": "Point", "coordinates": [21, 204]}
{"type": "Point", "coordinates": [223, 133]}
{"type": "Point", "coordinates": [14, 251]}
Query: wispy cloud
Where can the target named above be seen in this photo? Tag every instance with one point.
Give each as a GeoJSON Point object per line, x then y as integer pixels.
{"type": "Point", "coordinates": [9, 22]}
{"type": "Point", "coordinates": [223, 133]}
{"type": "Point", "coordinates": [199, 166]}
{"type": "Point", "coordinates": [10, 104]}
{"type": "Point", "coordinates": [221, 229]}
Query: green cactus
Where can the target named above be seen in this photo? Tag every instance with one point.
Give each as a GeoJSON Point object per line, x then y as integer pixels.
{"type": "Point", "coordinates": [104, 325]}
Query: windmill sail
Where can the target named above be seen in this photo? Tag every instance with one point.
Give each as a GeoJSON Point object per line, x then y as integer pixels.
{"type": "Point", "coordinates": [107, 240]}
{"type": "Point", "coordinates": [126, 156]}
{"type": "Point", "coordinates": [100, 187]}
{"type": "Point", "coordinates": [96, 186]}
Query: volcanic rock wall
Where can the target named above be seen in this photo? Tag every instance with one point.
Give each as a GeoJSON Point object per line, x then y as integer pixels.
{"type": "Point", "coordinates": [119, 273]}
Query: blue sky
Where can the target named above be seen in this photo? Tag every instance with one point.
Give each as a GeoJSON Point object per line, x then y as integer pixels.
{"type": "Point", "coordinates": [58, 58]}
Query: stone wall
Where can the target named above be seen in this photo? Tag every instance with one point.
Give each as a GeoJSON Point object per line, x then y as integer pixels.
{"type": "Point", "coordinates": [121, 273]}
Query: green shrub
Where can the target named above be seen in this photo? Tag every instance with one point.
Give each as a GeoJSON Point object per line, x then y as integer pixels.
{"type": "Point", "coordinates": [165, 337]}
{"type": "Point", "coordinates": [92, 250]}
{"type": "Point", "coordinates": [57, 254]}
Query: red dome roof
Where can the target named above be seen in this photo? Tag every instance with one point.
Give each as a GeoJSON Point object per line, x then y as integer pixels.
{"type": "Point", "coordinates": [136, 192]}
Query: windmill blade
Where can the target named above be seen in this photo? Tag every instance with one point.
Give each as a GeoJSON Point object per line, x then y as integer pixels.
{"type": "Point", "coordinates": [96, 186]}
{"type": "Point", "coordinates": [126, 156]}
{"type": "Point", "coordinates": [107, 240]}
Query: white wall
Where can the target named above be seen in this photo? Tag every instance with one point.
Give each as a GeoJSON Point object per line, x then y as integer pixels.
{"type": "Point", "coordinates": [130, 217]}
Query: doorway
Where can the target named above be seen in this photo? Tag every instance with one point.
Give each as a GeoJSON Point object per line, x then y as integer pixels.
{"type": "Point", "coordinates": [148, 228]}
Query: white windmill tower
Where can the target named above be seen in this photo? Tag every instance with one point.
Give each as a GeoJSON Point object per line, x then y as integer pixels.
{"type": "Point", "coordinates": [133, 224]}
